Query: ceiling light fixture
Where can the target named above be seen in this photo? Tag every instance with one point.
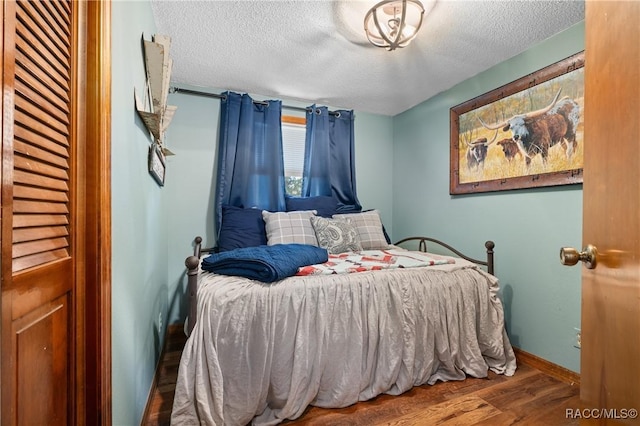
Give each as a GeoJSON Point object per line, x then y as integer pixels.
{"type": "Point", "coordinates": [393, 23]}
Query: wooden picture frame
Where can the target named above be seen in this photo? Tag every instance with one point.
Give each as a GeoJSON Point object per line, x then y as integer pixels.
{"type": "Point", "coordinates": [157, 165]}
{"type": "Point", "coordinates": [525, 134]}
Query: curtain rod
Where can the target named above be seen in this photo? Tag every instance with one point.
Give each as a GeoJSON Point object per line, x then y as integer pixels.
{"type": "Point", "coordinates": [219, 96]}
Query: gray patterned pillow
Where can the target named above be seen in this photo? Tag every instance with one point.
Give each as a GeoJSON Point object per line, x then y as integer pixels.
{"type": "Point", "coordinates": [335, 235]}
{"type": "Point", "coordinates": [369, 227]}
{"type": "Point", "coordinates": [288, 228]}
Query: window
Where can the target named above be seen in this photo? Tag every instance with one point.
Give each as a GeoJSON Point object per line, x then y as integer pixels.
{"type": "Point", "coordinates": [293, 135]}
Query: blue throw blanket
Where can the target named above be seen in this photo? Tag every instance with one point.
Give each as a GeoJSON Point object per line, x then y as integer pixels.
{"type": "Point", "coordinates": [265, 263]}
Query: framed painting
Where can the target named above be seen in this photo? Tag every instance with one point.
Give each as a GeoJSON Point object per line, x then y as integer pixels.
{"type": "Point", "coordinates": [528, 133]}
{"type": "Point", "coordinates": [157, 163]}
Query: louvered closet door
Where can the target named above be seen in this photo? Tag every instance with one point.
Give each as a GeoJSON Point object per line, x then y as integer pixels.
{"type": "Point", "coordinates": [39, 310]}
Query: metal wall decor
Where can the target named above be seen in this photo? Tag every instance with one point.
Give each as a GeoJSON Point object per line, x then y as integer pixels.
{"type": "Point", "coordinates": [154, 111]}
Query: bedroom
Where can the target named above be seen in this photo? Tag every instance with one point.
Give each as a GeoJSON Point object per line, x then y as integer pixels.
{"type": "Point", "coordinates": [542, 318]}
{"type": "Point", "coordinates": [542, 299]}
{"type": "Point", "coordinates": [419, 152]}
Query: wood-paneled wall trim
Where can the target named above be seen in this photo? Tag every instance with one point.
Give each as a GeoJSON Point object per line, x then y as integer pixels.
{"type": "Point", "coordinates": [98, 270]}
{"type": "Point", "coordinates": [547, 367]}
{"type": "Point", "coordinates": [290, 119]}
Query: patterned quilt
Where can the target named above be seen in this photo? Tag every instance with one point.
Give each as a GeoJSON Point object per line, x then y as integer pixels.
{"type": "Point", "coordinates": [373, 260]}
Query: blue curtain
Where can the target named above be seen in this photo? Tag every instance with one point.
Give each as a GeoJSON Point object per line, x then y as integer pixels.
{"type": "Point", "coordinates": [250, 164]}
{"type": "Point", "coordinates": [329, 160]}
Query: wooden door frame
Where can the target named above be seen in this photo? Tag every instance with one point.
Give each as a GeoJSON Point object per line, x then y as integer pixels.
{"type": "Point", "coordinates": [97, 271]}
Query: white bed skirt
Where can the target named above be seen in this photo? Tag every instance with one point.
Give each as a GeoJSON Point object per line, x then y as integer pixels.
{"type": "Point", "coordinates": [261, 353]}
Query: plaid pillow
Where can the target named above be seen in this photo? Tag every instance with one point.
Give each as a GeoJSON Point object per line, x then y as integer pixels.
{"type": "Point", "coordinates": [369, 227]}
{"type": "Point", "coordinates": [289, 227]}
{"type": "Point", "coordinates": [336, 235]}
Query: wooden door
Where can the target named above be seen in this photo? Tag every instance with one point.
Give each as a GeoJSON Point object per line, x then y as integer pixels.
{"type": "Point", "coordinates": [42, 205]}
{"type": "Point", "coordinates": [610, 354]}
{"type": "Point", "coordinates": [55, 231]}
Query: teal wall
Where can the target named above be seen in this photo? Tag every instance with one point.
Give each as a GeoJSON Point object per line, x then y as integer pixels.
{"type": "Point", "coordinates": [402, 168]}
{"type": "Point", "coordinates": [191, 177]}
{"type": "Point", "coordinates": [541, 297]}
{"type": "Point", "coordinates": [139, 225]}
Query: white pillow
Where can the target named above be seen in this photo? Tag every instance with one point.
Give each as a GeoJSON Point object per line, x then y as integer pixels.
{"type": "Point", "coordinates": [369, 227]}
{"type": "Point", "coordinates": [336, 235]}
{"type": "Point", "coordinates": [289, 227]}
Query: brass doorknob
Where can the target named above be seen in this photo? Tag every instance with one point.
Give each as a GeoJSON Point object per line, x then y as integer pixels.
{"type": "Point", "coordinates": [570, 256]}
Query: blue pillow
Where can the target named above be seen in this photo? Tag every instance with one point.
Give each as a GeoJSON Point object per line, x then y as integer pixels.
{"type": "Point", "coordinates": [241, 228]}
{"type": "Point", "coordinates": [324, 205]}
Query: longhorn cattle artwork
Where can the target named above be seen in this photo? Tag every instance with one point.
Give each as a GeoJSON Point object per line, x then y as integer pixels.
{"type": "Point", "coordinates": [537, 131]}
{"type": "Point", "coordinates": [510, 148]}
{"type": "Point", "coordinates": [477, 151]}
{"type": "Point", "coordinates": [538, 124]}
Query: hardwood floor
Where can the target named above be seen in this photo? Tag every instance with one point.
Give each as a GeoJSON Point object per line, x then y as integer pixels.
{"type": "Point", "coordinates": [160, 402]}
{"type": "Point", "coordinates": [530, 397]}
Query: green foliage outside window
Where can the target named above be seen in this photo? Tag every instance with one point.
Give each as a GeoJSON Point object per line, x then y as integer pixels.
{"type": "Point", "coordinates": [293, 185]}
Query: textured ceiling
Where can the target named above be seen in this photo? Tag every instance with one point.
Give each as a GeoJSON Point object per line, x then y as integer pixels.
{"type": "Point", "coordinates": [316, 51]}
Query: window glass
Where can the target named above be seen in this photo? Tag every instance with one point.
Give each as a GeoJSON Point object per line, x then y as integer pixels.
{"type": "Point", "coordinates": [293, 134]}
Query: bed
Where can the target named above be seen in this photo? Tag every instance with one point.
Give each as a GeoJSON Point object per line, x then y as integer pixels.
{"type": "Point", "coordinates": [262, 352]}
